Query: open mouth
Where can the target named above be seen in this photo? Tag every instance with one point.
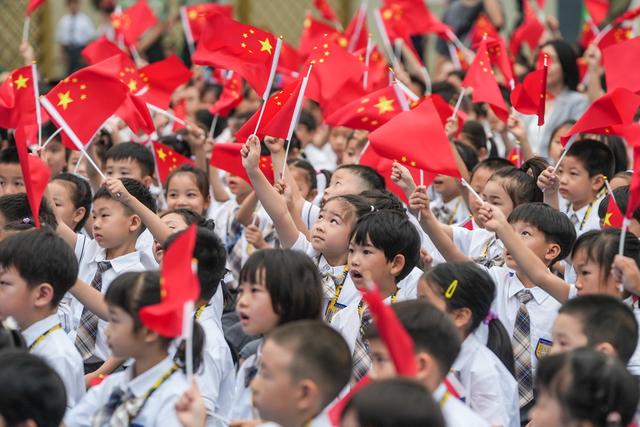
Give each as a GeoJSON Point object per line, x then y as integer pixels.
{"type": "Point", "coordinates": [355, 275]}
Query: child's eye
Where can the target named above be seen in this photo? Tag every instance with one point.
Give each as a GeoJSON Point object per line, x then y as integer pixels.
{"type": "Point", "coordinates": [320, 217]}
{"type": "Point", "coordinates": [367, 252]}
{"type": "Point", "coordinates": [334, 221]}
{"type": "Point", "coordinates": [192, 195]}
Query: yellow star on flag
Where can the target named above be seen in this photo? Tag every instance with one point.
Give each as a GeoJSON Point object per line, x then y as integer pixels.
{"type": "Point", "coordinates": [607, 218]}
{"type": "Point", "coordinates": [162, 154]}
{"type": "Point", "coordinates": [384, 105]}
{"type": "Point", "coordinates": [265, 45]}
{"type": "Point", "coordinates": [64, 99]}
{"type": "Point", "coordinates": [133, 85]}
{"type": "Point", "coordinates": [21, 82]}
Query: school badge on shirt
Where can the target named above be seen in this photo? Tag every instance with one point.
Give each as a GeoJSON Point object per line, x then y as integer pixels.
{"type": "Point", "coordinates": [543, 348]}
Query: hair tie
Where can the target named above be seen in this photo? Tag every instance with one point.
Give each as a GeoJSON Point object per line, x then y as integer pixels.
{"type": "Point", "coordinates": [614, 417]}
{"type": "Point", "coordinates": [26, 220]}
{"type": "Point", "coordinates": [490, 316]}
{"type": "Point", "coordinates": [448, 294]}
{"type": "Point", "coordinates": [373, 209]}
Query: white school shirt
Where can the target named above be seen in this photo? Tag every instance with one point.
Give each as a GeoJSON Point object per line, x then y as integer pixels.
{"type": "Point", "coordinates": [478, 244]}
{"type": "Point", "coordinates": [456, 207]}
{"type": "Point", "coordinates": [75, 30]}
{"type": "Point", "coordinates": [542, 308]}
{"type": "Point", "coordinates": [321, 158]}
{"type": "Point", "coordinates": [159, 410]}
{"type": "Point", "coordinates": [60, 354]}
{"type": "Point", "coordinates": [310, 213]}
{"type": "Point", "coordinates": [322, 420]}
{"type": "Point", "coordinates": [588, 218]}
{"type": "Point", "coordinates": [144, 245]}
{"type": "Point", "coordinates": [242, 408]}
{"type": "Point", "coordinates": [634, 363]}
{"type": "Point", "coordinates": [89, 253]}
{"type": "Point", "coordinates": [489, 388]}
{"type": "Point", "coordinates": [455, 413]}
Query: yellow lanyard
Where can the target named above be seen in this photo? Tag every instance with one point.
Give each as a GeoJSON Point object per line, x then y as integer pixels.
{"type": "Point", "coordinates": [394, 297]}
{"type": "Point", "coordinates": [588, 212]}
{"type": "Point", "coordinates": [160, 381]}
{"type": "Point", "coordinates": [455, 211]}
{"type": "Point", "coordinates": [331, 308]}
{"type": "Point", "coordinates": [199, 312]}
{"type": "Point", "coordinates": [43, 336]}
{"type": "Point", "coordinates": [444, 398]}
{"type": "Point", "coordinates": [485, 250]}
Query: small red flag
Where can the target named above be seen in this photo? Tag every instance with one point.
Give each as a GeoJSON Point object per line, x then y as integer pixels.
{"type": "Point", "coordinates": [499, 56]}
{"type": "Point", "coordinates": [485, 88]}
{"type": "Point", "coordinates": [618, 59]}
{"type": "Point", "coordinates": [350, 91]}
{"type": "Point", "coordinates": [529, 97]}
{"type": "Point", "coordinates": [634, 187]}
{"type": "Point", "coordinates": [412, 17]}
{"type": "Point", "coordinates": [378, 76]}
{"type": "Point", "coordinates": [249, 51]}
{"type": "Point", "coordinates": [133, 22]}
{"type": "Point", "coordinates": [335, 411]}
{"type": "Point", "coordinates": [226, 156]}
{"type": "Point", "coordinates": [326, 10]}
{"type": "Point", "coordinates": [445, 111]}
{"type": "Point", "coordinates": [179, 284]}
{"type": "Point", "coordinates": [483, 28]}
{"type": "Point", "coordinates": [167, 160]}
{"type": "Point", "coordinates": [33, 5]}
{"type": "Point", "coordinates": [369, 112]}
{"type": "Point", "coordinates": [515, 156]}
{"type": "Point", "coordinates": [357, 31]}
{"type": "Point", "coordinates": [99, 50]}
{"type": "Point", "coordinates": [289, 60]}
{"type": "Point", "coordinates": [160, 79]}
{"type": "Point", "coordinates": [468, 224]}
{"type": "Point", "coordinates": [18, 104]}
{"type": "Point", "coordinates": [597, 9]}
{"type": "Point", "coordinates": [613, 217]}
{"type": "Point", "coordinates": [313, 31]}
{"type": "Point", "coordinates": [35, 174]}
{"type": "Point", "coordinates": [195, 18]}
{"type": "Point", "coordinates": [230, 97]}
{"type": "Point", "coordinates": [135, 113]}
{"type": "Point", "coordinates": [529, 32]}
{"type": "Point", "coordinates": [416, 138]}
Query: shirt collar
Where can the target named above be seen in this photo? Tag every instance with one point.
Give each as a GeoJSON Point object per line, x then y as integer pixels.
{"type": "Point", "coordinates": [439, 392]}
{"type": "Point", "coordinates": [515, 286]}
{"type": "Point", "coordinates": [121, 263]}
{"type": "Point", "coordinates": [467, 349]}
{"type": "Point", "coordinates": [140, 385]}
{"type": "Point", "coordinates": [40, 327]}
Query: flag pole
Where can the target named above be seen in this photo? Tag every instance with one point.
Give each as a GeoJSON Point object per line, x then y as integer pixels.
{"type": "Point", "coordinates": [36, 94]}
{"type": "Point", "coordinates": [385, 38]}
{"type": "Point", "coordinates": [187, 30]}
{"type": "Point", "coordinates": [136, 55]}
{"type": "Point", "coordinates": [294, 118]}
{"type": "Point", "coordinates": [43, 146]}
{"type": "Point", "coordinates": [459, 102]}
{"type": "Point", "coordinates": [166, 113]}
{"type": "Point", "coordinates": [265, 95]}
{"type": "Point", "coordinates": [362, 16]}
{"type": "Point", "coordinates": [187, 332]}
{"type": "Point", "coordinates": [367, 57]}
{"type": "Point", "coordinates": [214, 123]}
{"type": "Point", "coordinates": [623, 235]}
{"type": "Point", "coordinates": [25, 29]}
{"type": "Point", "coordinates": [421, 184]}
{"type": "Point", "coordinates": [471, 190]}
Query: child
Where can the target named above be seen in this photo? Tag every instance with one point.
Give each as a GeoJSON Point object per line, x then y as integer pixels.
{"type": "Point", "coordinates": [276, 286]}
{"type": "Point", "coordinates": [304, 365]}
{"type": "Point", "coordinates": [355, 144]}
{"type": "Point", "coordinates": [14, 208]}
{"type": "Point", "coordinates": [11, 181]}
{"type": "Point", "coordinates": [37, 269]}
{"type": "Point", "coordinates": [305, 176]}
{"type": "Point", "coordinates": [436, 347]}
{"type": "Point", "coordinates": [385, 246]}
{"type": "Point", "coordinates": [555, 145]}
{"type": "Point", "coordinates": [33, 394]}
{"type": "Point", "coordinates": [188, 187]}
{"type": "Point", "coordinates": [584, 387]}
{"type": "Point", "coordinates": [130, 160]}
{"type": "Point", "coordinates": [70, 197]}
{"type": "Point", "coordinates": [394, 402]}
{"type": "Point", "coordinates": [146, 392]}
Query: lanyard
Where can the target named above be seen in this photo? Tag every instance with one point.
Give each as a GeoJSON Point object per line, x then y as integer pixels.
{"type": "Point", "coordinates": [331, 308]}
{"type": "Point", "coordinates": [588, 212]}
{"type": "Point", "coordinates": [394, 297]}
{"type": "Point", "coordinates": [43, 336]}
{"type": "Point", "coordinates": [455, 211]}
{"type": "Point", "coordinates": [198, 313]}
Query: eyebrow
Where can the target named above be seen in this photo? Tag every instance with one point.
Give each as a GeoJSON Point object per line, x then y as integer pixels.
{"type": "Point", "coordinates": [334, 213]}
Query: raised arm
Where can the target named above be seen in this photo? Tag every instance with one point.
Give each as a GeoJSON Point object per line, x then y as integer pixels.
{"type": "Point", "coordinates": [549, 183]}
{"type": "Point", "coordinates": [91, 298]}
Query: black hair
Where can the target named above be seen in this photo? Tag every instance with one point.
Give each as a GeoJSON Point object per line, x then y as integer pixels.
{"type": "Point", "coordinates": [9, 155]}
{"type": "Point", "coordinates": [292, 279]}
{"type": "Point", "coordinates": [191, 217]}
{"type": "Point", "coordinates": [80, 191]}
{"type": "Point", "coordinates": [11, 339]}
{"type": "Point", "coordinates": [595, 156]}
{"type": "Point", "coordinates": [619, 150]}
{"type": "Point", "coordinates": [605, 319]}
{"type": "Point", "coordinates": [534, 166]}
{"type": "Point", "coordinates": [308, 169]}
{"type": "Point", "coordinates": [465, 285]}
{"type": "Point", "coordinates": [56, 262]}
{"type": "Point", "coordinates": [137, 190]}
{"type": "Point", "coordinates": [132, 291]}
{"type": "Point", "coordinates": [589, 386]}
{"type": "Point", "coordinates": [200, 177]}
{"type": "Point", "coordinates": [468, 155]}
{"type": "Point", "coordinates": [384, 200]}
{"type": "Point", "coordinates": [359, 204]}
{"type": "Point", "coordinates": [621, 196]}
{"type": "Point", "coordinates": [568, 57]}
{"type": "Point", "coordinates": [177, 142]}
{"type": "Point", "coordinates": [519, 185]}
{"type": "Point", "coordinates": [392, 233]}
{"type": "Point", "coordinates": [31, 390]}
{"type": "Point", "coordinates": [15, 208]}
{"type": "Point", "coordinates": [602, 247]}
{"type": "Point", "coordinates": [307, 120]}
{"type": "Point", "coordinates": [212, 258]}
{"type": "Point", "coordinates": [204, 119]}
{"type": "Point", "coordinates": [319, 353]}
{"type": "Point", "coordinates": [395, 402]}
{"type": "Point", "coordinates": [101, 144]}
{"type": "Point", "coordinates": [556, 226]}
{"type": "Point", "coordinates": [430, 329]}
{"type": "Point", "coordinates": [134, 151]}
{"type": "Point", "coordinates": [476, 134]}
{"type": "Point", "coordinates": [370, 176]}
{"type": "Point", "coordinates": [493, 164]}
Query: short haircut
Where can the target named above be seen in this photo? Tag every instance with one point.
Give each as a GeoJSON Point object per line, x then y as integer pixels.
{"type": "Point", "coordinates": [430, 329]}
{"type": "Point", "coordinates": [134, 151]}
{"type": "Point", "coordinates": [136, 189]}
{"type": "Point", "coordinates": [556, 226]}
{"type": "Point", "coordinates": [619, 151]}
{"type": "Point", "coordinates": [41, 256]}
{"type": "Point", "coordinates": [307, 120]}
{"type": "Point", "coordinates": [31, 390]}
{"type": "Point", "coordinates": [212, 258]}
{"type": "Point", "coordinates": [474, 131]}
{"type": "Point", "coordinates": [493, 164]}
{"type": "Point", "coordinates": [468, 155]}
{"type": "Point", "coordinates": [319, 353]}
{"type": "Point", "coordinates": [392, 233]}
{"type": "Point", "coordinates": [605, 318]}
{"type": "Point", "coordinates": [596, 156]}
{"type": "Point", "coordinates": [15, 209]}
{"type": "Point", "coordinates": [9, 155]}
{"type": "Point", "coordinates": [200, 177]}
{"type": "Point", "coordinates": [190, 217]}
{"type": "Point", "coordinates": [80, 191]}
{"type": "Point", "coordinates": [292, 280]}
{"type": "Point", "coordinates": [370, 176]}
{"type": "Point", "coordinates": [621, 196]}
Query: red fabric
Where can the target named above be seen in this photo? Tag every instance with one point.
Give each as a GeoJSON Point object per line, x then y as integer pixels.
{"type": "Point", "coordinates": [627, 16]}
{"type": "Point", "coordinates": [597, 9]}
{"type": "Point", "coordinates": [412, 17]}
{"type": "Point", "coordinates": [99, 50]}
{"type": "Point", "coordinates": [312, 32]}
{"type": "Point", "coordinates": [393, 334]}
{"type": "Point", "coordinates": [289, 58]}
{"type": "Point", "coordinates": [326, 10]}
{"type": "Point", "coordinates": [360, 39]}
{"type": "Point", "coordinates": [369, 112]}
{"type": "Point", "coordinates": [483, 27]}
{"type": "Point", "coordinates": [529, 96]}
{"type": "Point", "coordinates": [335, 412]}
{"type": "Point", "coordinates": [133, 22]}
{"type": "Point", "coordinates": [135, 113]}
{"type": "Point", "coordinates": [247, 50]}
{"type": "Point", "coordinates": [180, 111]}
{"type": "Point", "coordinates": [613, 217]}
{"type": "Point", "coordinates": [33, 5]}
{"type": "Point", "coordinates": [35, 174]}
{"type": "Point", "coordinates": [18, 104]}
{"type": "Point", "coordinates": [277, 116]}
{"type": "Point", "coordinates": [179, 284]}
{"type": "Point", "coordinates": [529, 32]}
{"type": "Point", "coordinates": [499, 55]}
{"type": "Point", "coordinates": [515, 156]}
{"type": "Point", "coordinates": [350, 91]}
{"type": "Point", "coordinates": [480, 77]}
{"type": "Point", "coordinates": [230, 97]}
{"type": "Point", "coordinates": [612, 36]}
{"type": "Point", "coordinates": [634, 187]}
{"type": "Point", "coordinates": [618, 60]}
{"type": "Point", "coordinates": [609, 114]}
{"type": "Point", "coordinates": [468, 224]}
{"type": "Point", "coordinates": [445, 111]}
{"type": "Point", "coordinates": [162, 78]}
{"type": "Point", "coordinates": [416, 138]}
{"type": "Point", "coordinates": [378, 77]}
{"type": "Point", "coordinates": [167, 160]}
{"type": "Point", "coordinates": [226, 156]}
{"type": "Point", "coordinates": [197, 16]}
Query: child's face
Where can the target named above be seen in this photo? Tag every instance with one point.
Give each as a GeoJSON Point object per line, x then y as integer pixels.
{"type": "Point", "coordinates": [590, 277]}
{"type": "Point", "coordinates": [369, 259]}
{"type": "Point", "coordinates": [495, 194]}
{"type": "Point", "coordinates": [300, 177]}
{"type": "Point", "coordinates": [304, 134]}
{"type": "Point", "coordinates": [16, 298]}
{"type": "Point", "coordinates": [113, 226]}
{"type": "Point", "coordinates": [330, 233]}
{"type": "Point", "coordinates": [447, 187]}
{"type": "Point", "coordinates": [63, 207]}
{"type": "Point", "coordinates": [575, 184]}
{"type": "Point", "coordinates": [176, 223]}
{"type": "Point", "coordinates": [121, 338]}
{"type": "Point", "coordinates": [567, 334]}
{"type": "Point", "coordinates": [343, 182]}
{"type": "Point", "coordinates": [255, 309]}
{"type": "Point", "coordinates": [547, 412]}
{"type": "Point", "coordinates": [338, 139]}
{"type": "Point", "coordinates": [238, 186]}
{"type": "Point", "coordinates": [351, 153]}
{"type": "Point", "coordinates": [275, 392]}
{"type": "Point", "coordinates": [54, 155]}
{"type": "Point", "coordinates": [382, 366]}
{"type": "Point", "coordinates": [535, 240]}
{"type": "Point", "coordinates": [126, 168]}
{"type": "Point", "coordinates": [11, 181]}
{"type": "Point", "coordinates": [183, 192]}
{"type": "Point", "coordinates": [74, 158]}
{"type": "Point", "coordinates": [555, 146]}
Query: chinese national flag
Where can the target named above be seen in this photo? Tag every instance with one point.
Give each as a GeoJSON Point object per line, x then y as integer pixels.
{"type": "Point", "coordinates": [609, 37]}
{"type": "Point", "coordinates": [277, 115]}
{"type": "Point", "coordinates": [499, 56]}
{"type": "Point", "coordinates": [167, 160]}
{"type": "Point", "coordinates": [597, 9]}
{"type": "Point", "coordinates": [627, 16]}
{"type": "Point", "coordinates": [196, 17]}
{"type": "Point", "coordinates": [445, 111]}
{"type": "Point", "coordinates": [135, 113]}
{"type": "Point", "coordinates": [179, 284]}
{"type": "Point", "coordinates": [349, 92]}
{"type": "Point", "coordinates": [33, 5]}
{"type": "Point", "coordinates": [468, 224]}
{"type": "Point", "coordinates": [230, 96]}
{"type": "Point", "coordinates": [529, 32]}
{"type": "Point", "coordinates": [480, 77]}
{"type": "Point", "coordinates": [416, 138]}
{"type": "Point", "coordinates": [134, 21]}
{"type": "Point", "coordinates": [369, 112]}
{"type": "Point", "coordinates": [357, 31]}
{"type": "Point", "coordinates": [618, 60]}
{"type": "Point", "coordinates": [412, 17]}
{"type": "Point", "coordinates": [312, 31]}
{"type": "Point", "coordinates": [99, 50]}
{"type": "Point", "coordinates": [289, 59]}
{"type": "Point", "coordinates": [226, 156]}
{"type": "Point", "coordinates": [613, 217]}
{"type": "Point", "coordinates": [529, 97]}
{"type": "Point", "coordinates": [483, 27]}
{"type": "Point", "coordinates": [326, 10]}
{"type": "Point", "coordinates": [35, 174]}
{"type": "Point", "coordinates": [515, 156]}
{"type": "Point", "coordinates": [611, 114]}
{"type": "Point", "coordinates": [160, 79]}
{"type": "Point", "coordinates": [18, 104]}
{"type": "Point", "coordinates": [378, 76]}
{"type": "Point", "coordinates": [82, 102]}
{"type": "Point", "coordinates": [247, 50]}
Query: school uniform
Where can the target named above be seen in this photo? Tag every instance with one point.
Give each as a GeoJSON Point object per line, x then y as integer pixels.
{"type": "Point", "coordinates": [321, 420]}
{"type": "Point", "coordinates": [452, 212]}
{"type": "Point", "coordinates": [482, 246]}
{"type": "Point", "coordinates": [455, 413]}
{"type": "Point", "coordinates": [488, 388]}
{"type": "Point", "coordinates": [144, 245]}
{"type": "Point", "coordinates": [242, 408]}
{"type": "Point", "coordinates": [159, 408]}
{"type": "Point", "coordinates": [310, 213]}
{"type": "Point", "coordinates": [47, 339]}
{"type": "Point", "coordinates": [585, 218]}
{"type": "Point", "coordinates": [634, 363]}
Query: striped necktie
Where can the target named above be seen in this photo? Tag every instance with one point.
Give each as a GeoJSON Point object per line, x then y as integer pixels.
{"type": "Point", "coordinates": [521, 341]}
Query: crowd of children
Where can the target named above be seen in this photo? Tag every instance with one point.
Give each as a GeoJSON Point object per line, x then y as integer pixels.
{"type": "Point", "coordinates": [519, 297]}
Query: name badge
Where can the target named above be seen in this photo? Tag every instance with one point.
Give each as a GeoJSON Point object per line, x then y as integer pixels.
{"type": "Point", "coordinates": [543, 348]}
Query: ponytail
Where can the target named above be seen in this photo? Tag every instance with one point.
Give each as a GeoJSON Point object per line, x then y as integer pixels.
{"type": "Point", "coordinates": [499, 343]}
{"type": "Point", "coordinates": [198, 344]}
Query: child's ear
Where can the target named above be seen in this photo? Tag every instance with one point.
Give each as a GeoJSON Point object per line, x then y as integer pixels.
{"type": "Point", "coordinates": [606, 348]}
{"type": "Point", "coordinates": [147, 181]}
{"type": "Point", "coordinates": [397, 264]}
{"type": "Point", "coordinates": [428, 371]}
{"type": "Point", "coordinates": [597, 183]}
{"type": "Point", "coordinates": [134, 222]}
{"type": "Point", "coordinates": [78, 214]}
{"type": "Point", "coordinates": [309, 396]}
{"type": "Point", "coordinates": [462, 317]}
{"type": "Point", "coordinates": [313, 194]}
{"type": "Point", "coordinates": [553, 250]}
{"type": "Point", "coordinates": [43, 294]}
